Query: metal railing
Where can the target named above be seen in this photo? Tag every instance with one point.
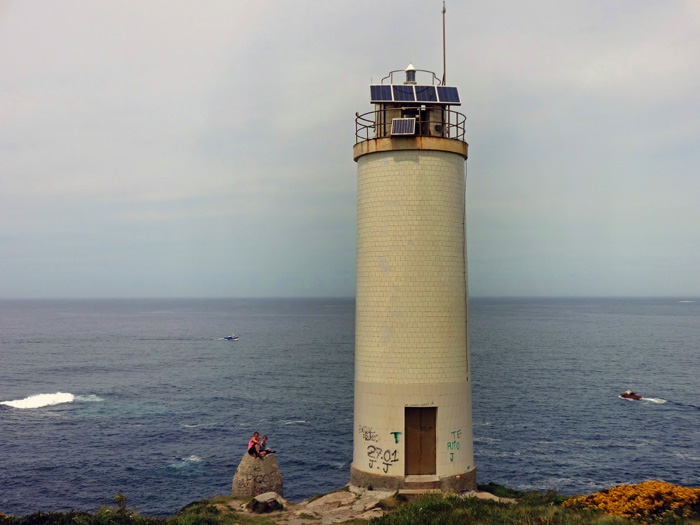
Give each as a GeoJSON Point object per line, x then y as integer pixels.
{"type": "Point", "coordinates": [446, 124]}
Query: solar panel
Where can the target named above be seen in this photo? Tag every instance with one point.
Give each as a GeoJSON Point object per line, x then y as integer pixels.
{"type": "Point", "coordinates": [398, 93]}
{"type": "Point", "coordinates": [426, 94]}
{"type": "Point", "coordinates": [403, 126]}
{"type": "Point", "coordinates": [448, 95]}
{"type": "Point", "coordinates": [380, 93]}
{"type": "Point", "coordinates": [403, 94]}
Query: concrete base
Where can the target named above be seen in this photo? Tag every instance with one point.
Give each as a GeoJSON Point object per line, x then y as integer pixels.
{"type": "Point", "coordinates": [458, 483]}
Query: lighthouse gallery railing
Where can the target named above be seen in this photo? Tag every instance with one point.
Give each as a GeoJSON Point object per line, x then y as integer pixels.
{"type": "Point", "coordinates": [446, 124]}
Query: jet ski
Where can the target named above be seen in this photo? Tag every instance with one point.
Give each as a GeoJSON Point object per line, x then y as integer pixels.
{"type": "Point", "coordinates": [232, 337]}
{"type": "Point", "coordinates": [630, 395]}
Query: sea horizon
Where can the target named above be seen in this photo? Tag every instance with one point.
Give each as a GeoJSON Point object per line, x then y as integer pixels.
{"type": "Point", "coordinates": [320, 297]}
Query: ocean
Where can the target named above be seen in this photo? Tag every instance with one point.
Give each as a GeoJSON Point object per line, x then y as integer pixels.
{"type": "Point", "coordinates": [146, 397]}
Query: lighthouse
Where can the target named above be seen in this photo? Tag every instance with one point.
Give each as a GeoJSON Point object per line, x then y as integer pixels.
{"type": "Point", "coordinates": [412, 418]}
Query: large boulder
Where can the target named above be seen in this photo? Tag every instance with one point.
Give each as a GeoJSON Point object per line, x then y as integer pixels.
{"type": "Point", "coordinates": [256, 476]}
{"type": "Point", "coordinates": [267, 502]}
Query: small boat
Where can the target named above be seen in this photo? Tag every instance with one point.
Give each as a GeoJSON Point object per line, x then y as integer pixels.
{"type": "Point", "coordinates": [232, 337]}
{"type": "Point", "coordinates": [630, 395]}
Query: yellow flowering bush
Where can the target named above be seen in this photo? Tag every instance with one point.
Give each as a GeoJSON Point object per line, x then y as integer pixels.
{"type": "Point", "coordinates": [645, 502]}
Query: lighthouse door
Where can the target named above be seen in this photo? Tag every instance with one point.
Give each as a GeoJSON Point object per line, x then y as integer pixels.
{"type": "Point", "coordinates": [420, 440]}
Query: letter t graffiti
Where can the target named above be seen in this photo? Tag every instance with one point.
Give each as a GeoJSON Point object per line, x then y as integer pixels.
{"type": "Point", "coordinates": [396, 436]}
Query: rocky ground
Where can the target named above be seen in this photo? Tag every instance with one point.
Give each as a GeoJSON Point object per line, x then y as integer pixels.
{"type": "Point", "coordinates": [336, 507]}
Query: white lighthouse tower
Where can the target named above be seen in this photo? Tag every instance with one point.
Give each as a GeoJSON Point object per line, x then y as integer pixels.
{"type": "Point", "coordinates": [413, 423]}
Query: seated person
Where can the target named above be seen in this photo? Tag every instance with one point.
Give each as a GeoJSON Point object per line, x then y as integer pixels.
{"type": "Point", "coordinates": [254, 446]}
{"type": "Point", "coordinates": [263, 447]}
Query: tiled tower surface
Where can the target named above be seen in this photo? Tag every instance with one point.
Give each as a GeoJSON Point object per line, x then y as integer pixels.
{"type": "Point", "coordinates": [411, 334]}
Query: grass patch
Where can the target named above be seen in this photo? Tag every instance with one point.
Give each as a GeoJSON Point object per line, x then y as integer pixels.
{"type": "Point", "coordinates": [530, 497]}
{"type": "Point", "coordinates": [394, 501]}
{"type": "Point", "coordinates": [500, 490]}
{"type": "Point", "coordinates": [207, 511]}
{"type": "Point", "coordinates": [531, 508]}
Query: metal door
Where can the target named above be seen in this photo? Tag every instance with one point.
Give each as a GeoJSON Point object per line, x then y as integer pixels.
{"type": "Point", "coordinates": [420, 440]}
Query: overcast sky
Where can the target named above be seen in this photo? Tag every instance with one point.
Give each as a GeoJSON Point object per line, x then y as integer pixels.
{"type": "Point", "coordinates": [204, 149]}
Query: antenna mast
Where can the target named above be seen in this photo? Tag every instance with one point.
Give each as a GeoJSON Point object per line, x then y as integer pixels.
{"type": "Point", "coordinates": [444, 62]}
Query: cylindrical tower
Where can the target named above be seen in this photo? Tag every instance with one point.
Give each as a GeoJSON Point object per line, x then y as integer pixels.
{"type": "Point", "coordinates": [413, 425]}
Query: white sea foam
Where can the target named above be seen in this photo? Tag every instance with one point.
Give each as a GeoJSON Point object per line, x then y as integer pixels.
{"type": "Point", "coordinates": [186, 463]}
{"type": "Point", "coordinates": [92, 398]}
{"type": "Point", "coordinates": [653, 400]}
{"type": "Point", "coordinates": [486, 440]}
{"type": "Point", "coordinates": [686, 456]}
{"type": "Point", "coordinates": [297, 422]}
{"type": "Point", "coordinates": [649, 399]}
{"type": "Point", "coordinates": [40, 400]}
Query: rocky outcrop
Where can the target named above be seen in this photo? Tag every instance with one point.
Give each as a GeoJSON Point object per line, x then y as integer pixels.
{"type": "Point", "coordinates": [256, 476]}
{"type": "Point", "coordinates": [268, 502]}
{"type": "Point", "coordinates": [343, 505]}
{"type": "Point", "coordinates": [339, 506]}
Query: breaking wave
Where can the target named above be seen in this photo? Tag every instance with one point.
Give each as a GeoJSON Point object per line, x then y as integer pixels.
{"type": "Point", "coordinates": [40, 400]}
